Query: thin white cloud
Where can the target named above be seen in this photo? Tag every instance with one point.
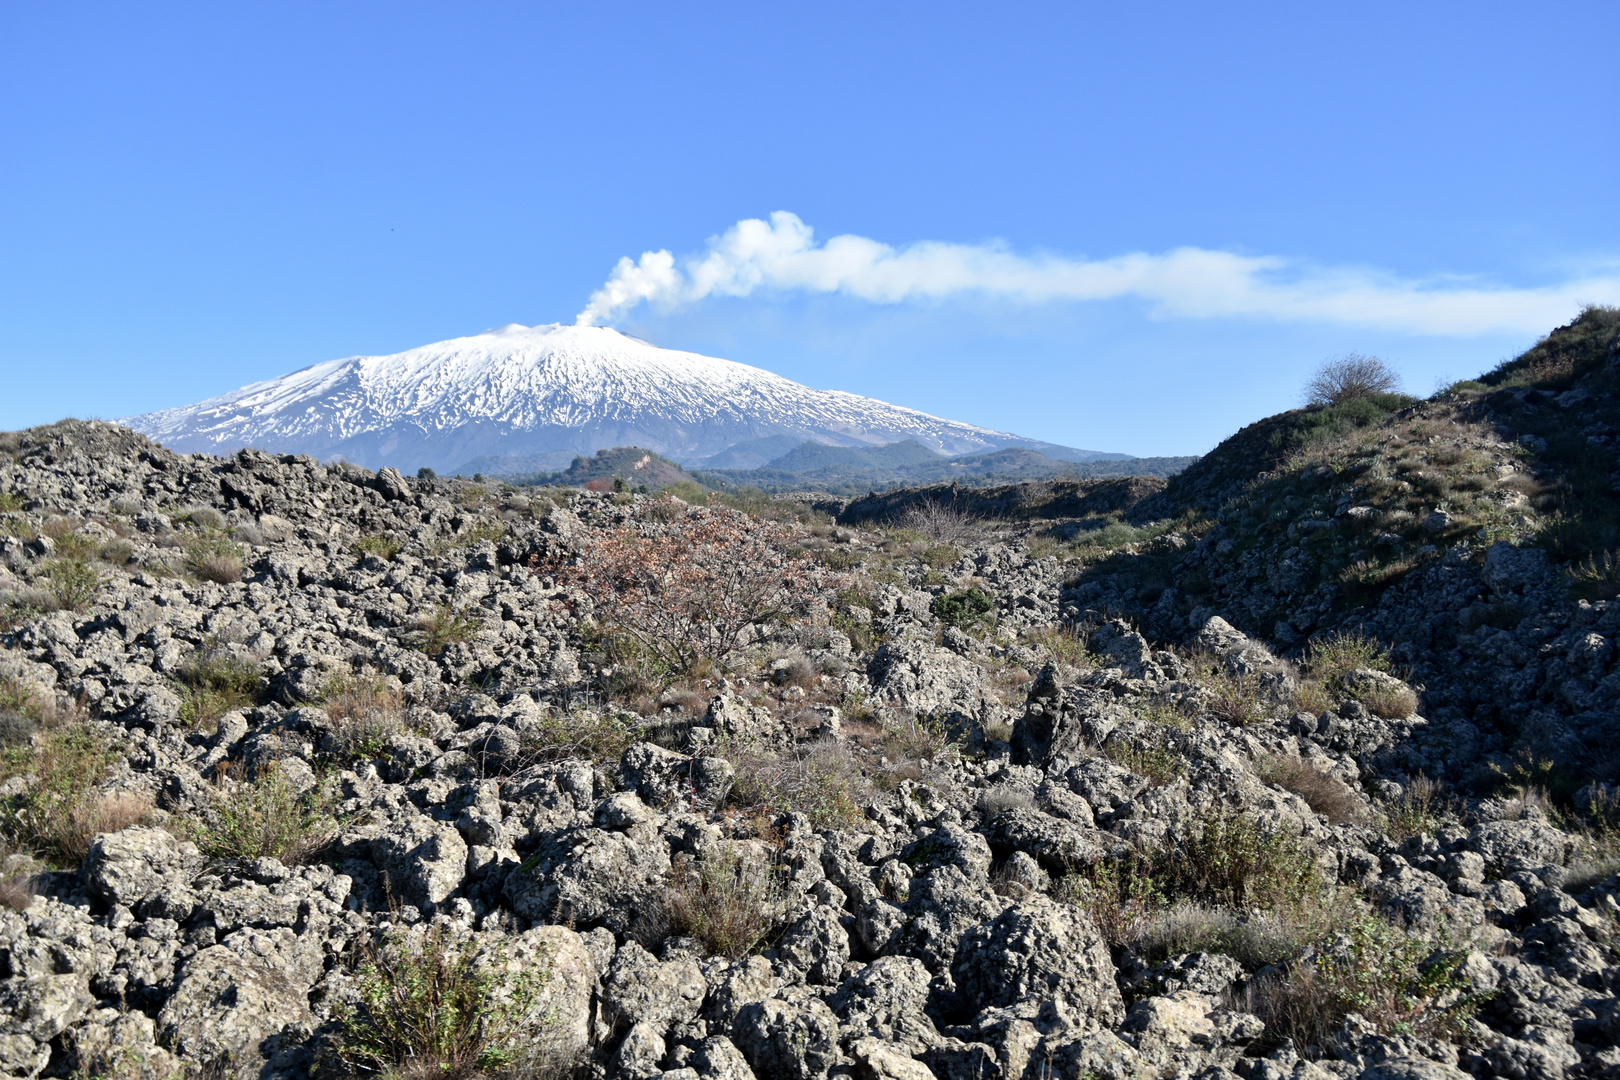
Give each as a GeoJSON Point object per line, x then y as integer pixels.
{"type": "Point", "coordinates": [781, 255]}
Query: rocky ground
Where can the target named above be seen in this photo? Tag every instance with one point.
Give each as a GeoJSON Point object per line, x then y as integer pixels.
{"type": "Point", "coordinates": [314, 771]}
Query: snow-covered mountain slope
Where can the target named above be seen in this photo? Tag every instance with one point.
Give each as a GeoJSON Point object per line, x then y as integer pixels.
{"type": "Point", "coordinates": [539, 390]}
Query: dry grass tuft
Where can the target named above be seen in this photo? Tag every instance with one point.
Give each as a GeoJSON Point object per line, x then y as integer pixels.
{"type": "Point", "coordinates": [1327, 795]}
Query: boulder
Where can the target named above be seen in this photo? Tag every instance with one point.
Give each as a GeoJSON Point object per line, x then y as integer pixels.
{"type": "Point", "coordinates": [1036, 950]}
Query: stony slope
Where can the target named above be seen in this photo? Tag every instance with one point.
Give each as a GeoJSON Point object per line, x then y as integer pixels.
{"type": "Point", "coordinates": [977, 841]}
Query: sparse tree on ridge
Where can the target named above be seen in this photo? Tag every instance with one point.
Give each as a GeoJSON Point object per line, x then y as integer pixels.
{"type": "Point", "coordinates": [1351, 376]}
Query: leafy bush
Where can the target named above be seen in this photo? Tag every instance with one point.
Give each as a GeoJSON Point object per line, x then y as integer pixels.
{"type": "Point", "coordinates": [429, 1007]}
{"type": "Point", "coordinates": [687, 590]}
{"type": "Point", "coordinates": [1327, 795]}
{"type": "Point", "coordinates": [726, 898]}
{"type": "Point", "coordinates": [266, 817]}
{"type": "Point", "coordinates": [962, 609]}
{"type": "Point", "coordinates": [1366, 965]}
{"type": "Point", "coordinates": [444, 627]}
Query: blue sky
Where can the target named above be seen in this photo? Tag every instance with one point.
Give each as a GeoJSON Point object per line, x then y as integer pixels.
{"type": "Point", "coordinates": [193, 197]}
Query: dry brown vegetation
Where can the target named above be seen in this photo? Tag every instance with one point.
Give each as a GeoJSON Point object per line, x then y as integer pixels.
{"type": "Point", "coordinates": [1327, 795]}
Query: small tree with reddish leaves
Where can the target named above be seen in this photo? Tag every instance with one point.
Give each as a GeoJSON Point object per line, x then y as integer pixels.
{"type": "Point", "coordinates": [687, 589]}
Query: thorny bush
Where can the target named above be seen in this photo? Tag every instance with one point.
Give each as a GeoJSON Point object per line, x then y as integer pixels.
{"type": "Point", "coordinates": [688, 590]}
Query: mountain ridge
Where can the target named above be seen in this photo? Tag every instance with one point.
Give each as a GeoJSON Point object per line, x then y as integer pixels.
{"type": "Point", "coordinates": [548, 391]}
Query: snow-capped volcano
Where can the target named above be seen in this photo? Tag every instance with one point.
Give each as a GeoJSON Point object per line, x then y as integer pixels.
{"type": "Point", "coordinates": [548, 391]}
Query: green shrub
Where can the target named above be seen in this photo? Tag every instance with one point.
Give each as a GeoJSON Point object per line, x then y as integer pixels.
{"type": "Point", "coordinates": [72, 583]}
{"type": "Point", "coordinates": [1231, 860]}
{"type": "Point", "coordinates": [215, 557]}
{"type": "Point", "coordinates": [10, 502]}
{"type": "Point", "coordinates": [726, 898]}
{"type": "Point", "coordinates": [1365, 964]}
{"type": "Point", "coordinates": [267, 817]}
{"type": "Point", "coordinates": [963, 609]}
{"type": "Point", "coordinates": [212, 682]}
{"type": "Point", "coordinates": [429, 1006]}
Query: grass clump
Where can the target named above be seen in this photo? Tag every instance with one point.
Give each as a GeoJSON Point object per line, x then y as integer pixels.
{"type": "Point", "coordinates": [213, 681]}
{"type": "Point", "coordinates": [1327, 795]}
{"type": "Point", "coordinates": [1597, 577]}
{"type": "Point", "coordinates": [444, 627]}
{"type": "Point", "coordinates": [364, 712]}
{"type": "Point", "coordinates": [215, 557]}
{"type": "Point", "coordinates": [383, 547]}
{"type": "Point", "coordinates": [820, 780]}
{"type": "Point", "coordinates": [1236, 699]}
{"type": "Point", "coordinates": [1423, 806]}
{"type": "Point", "coordinates": [577, 735]}
{"type": "Point", "coordinates": [1066, 644]}
{"type": "Point", "coordinates": [10, 502]}
{"type": "Point", "coordinates": [266, 817]}
{"type": "Point", "coordinates": [1149, 755]}
{"type": "Point", "coordinates": [727, 898]}
{"type": "Point", "coordinates": [428, 1006]}
{"type": "Point", "coordinates": [62, 809]}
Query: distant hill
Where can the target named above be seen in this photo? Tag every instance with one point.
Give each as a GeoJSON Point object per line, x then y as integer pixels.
{"type": "Point", "coordinates": [843, 470]}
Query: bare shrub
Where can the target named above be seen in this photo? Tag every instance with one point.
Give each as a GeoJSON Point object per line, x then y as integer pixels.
{"type": "Point", "coordinates": [940, 523]}
{"type": "Point", "coordinates": [1351, 376]}
{"type": "Point", "coordinates": [728, 898]}
{"type": "Point", "coordinates": [999, 800]}
{"type": "Point", "coordinates": [688, 590]}
{"type": "Point", "coordinates": [1327, 795]}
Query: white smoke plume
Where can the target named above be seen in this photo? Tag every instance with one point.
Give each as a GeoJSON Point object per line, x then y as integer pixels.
{"type": "Point", "coordinates": [781, 255]}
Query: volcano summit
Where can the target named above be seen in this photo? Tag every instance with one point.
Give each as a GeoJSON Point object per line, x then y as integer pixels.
{"type": "Point", "coordinates": [547, 393]}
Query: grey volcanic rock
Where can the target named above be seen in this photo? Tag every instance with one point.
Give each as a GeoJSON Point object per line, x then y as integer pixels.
{"type": "Point", "coordinates": [928, 813]}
